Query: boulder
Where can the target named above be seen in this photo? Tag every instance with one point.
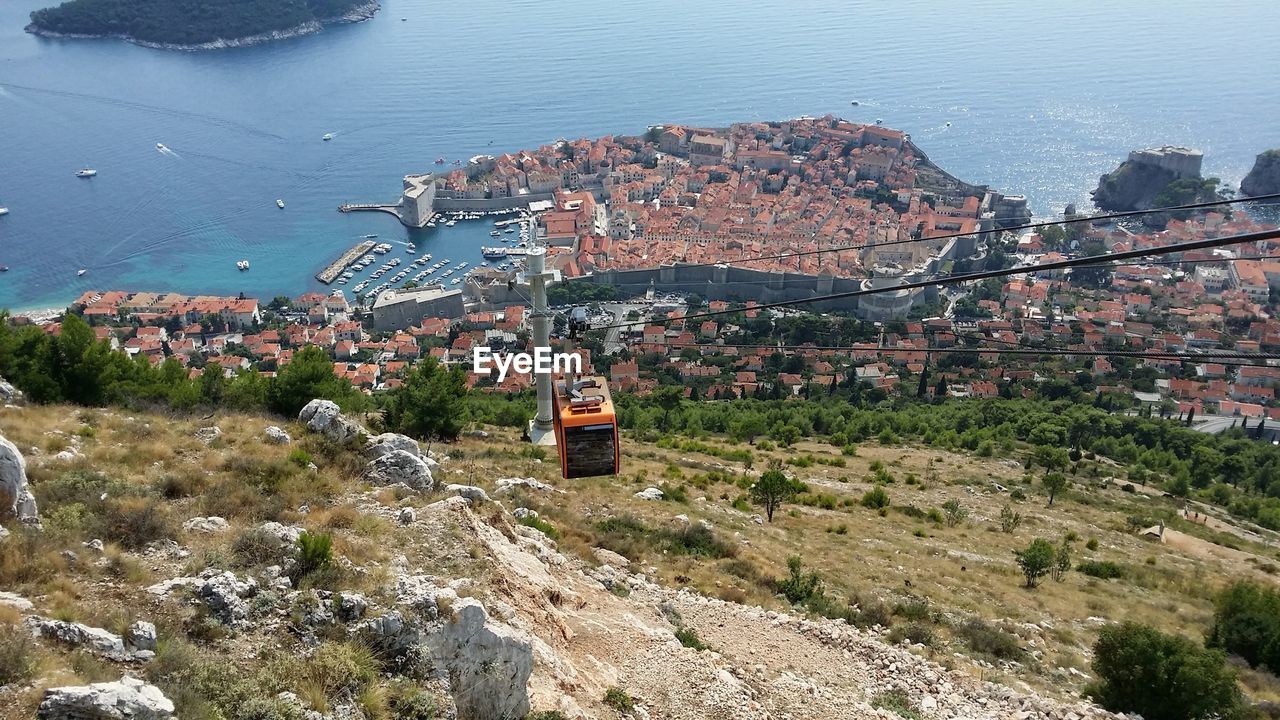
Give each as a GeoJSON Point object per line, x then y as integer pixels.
{"type": "Point", "coordinates": [324, 417]}
{"type": "Point", "coordinates": [211, 524]}
{"type": "Point", "coordinates": [141, 637]}
{"type": "Point", "coordinates": [506, 485]}
{"type": "Point", "coordinates": [610, 558]}
{"type": "Point", "coordinates": [224, 594]}
{"type": "Point", "coordinates": [407, 516]}
{"type": "Point", "coordinates": [391, 635]}
{"type": "Point", "coordinates": [470, 492]}
{"type": "Point", "coordinates": [95, 546]}
{"type": "Point", "coordinates": [207, 435]}
{"type": "Point", "coordinates": [9, 395]}
{"type": "Point", "coordinates": [651, 493]}
{"type": "Point", "coordinates": [524, 513]}
{"type": "Point", "coordinates": [489, 663]}
{"type": "Point", "coordinates": [380, 445]}
{"type": "Point", "coordinates": [15, 601]}
{"type": "Point", "coordinates": [277, 435]}
{"type": "Point", "coordinates": [349, 606]}
{"type": "Point", "coordinates": [400, 466]}
{"type": "Point", "coordinates": [16, 500]}
{"type": "Point", "coordinates": [125, 699]}
{"type": "Point", "coordinates": [95, 640]}
{"type": "Point", "coordinates": [286, 535]}
{"type": "Point", "coordinates": [421, 594]}
{"type": "Point", "coordinates": [71, 454]}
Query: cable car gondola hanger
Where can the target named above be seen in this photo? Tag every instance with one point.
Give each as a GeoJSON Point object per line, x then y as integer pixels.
{"type": "Point", "coordinates": [586, 424]}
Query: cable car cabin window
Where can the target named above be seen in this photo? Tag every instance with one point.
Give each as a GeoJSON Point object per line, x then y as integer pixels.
{"type": "Point", "coordinates": [589, 450]}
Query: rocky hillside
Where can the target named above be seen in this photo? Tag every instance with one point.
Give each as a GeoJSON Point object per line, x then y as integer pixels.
{"type": "Point", "coordinates": [237, 567]}
{"type": "Point", "coordinates": [1264, 178]}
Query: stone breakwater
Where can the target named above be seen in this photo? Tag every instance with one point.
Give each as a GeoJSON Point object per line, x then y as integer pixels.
{"type": "Point", "coordinates": [359, 13]}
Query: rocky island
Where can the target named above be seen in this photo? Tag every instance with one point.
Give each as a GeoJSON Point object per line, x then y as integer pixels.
{"type": "Point", "coordinates": [196, 24]}
{"type": "Point", "coordinates": [1155, 177]}
{"type": "Point", "coordinates": [1264, 178]}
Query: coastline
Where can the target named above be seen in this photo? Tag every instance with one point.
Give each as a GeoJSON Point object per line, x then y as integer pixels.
{"type": "Point", "coordinates": [356, 14]}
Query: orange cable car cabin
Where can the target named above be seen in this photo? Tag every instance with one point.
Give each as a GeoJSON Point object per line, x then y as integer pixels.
{"type": "Point", "coordinates": [586, 428]}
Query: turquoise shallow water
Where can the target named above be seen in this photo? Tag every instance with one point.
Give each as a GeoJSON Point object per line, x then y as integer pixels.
{"type": "Point", "coordinates": [1041, 100]}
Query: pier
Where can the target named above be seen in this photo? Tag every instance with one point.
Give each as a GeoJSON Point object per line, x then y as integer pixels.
{"type": "Point", "coordinates": [335, 268]}
{"type": "Point", "coordinates": [393, 209]}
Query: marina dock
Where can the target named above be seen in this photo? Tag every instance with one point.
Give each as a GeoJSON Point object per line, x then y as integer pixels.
{"type": "Point", "coordinates": [335, 268]}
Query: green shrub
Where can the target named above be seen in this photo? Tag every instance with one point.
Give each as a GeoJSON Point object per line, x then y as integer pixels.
{"type": "Point", "coordinates": [538, 523]}
{"type": "Point", "coordinates": [698, 539]}
{"type": "Point", "coordinates": [875, 498]}
{"type": "Point", "coordinates": [254, 547]}
{"type": "Point", "coordinates": [300, 457]}
{"type": "Point", "coordinates": [18, 660]}
{"type": "Point", "coordinates": [1161, 676]}
{"type": "Point", "coordinates": [315, 551]}
{"type": "Point", "coordinates": [898, 702]}
{"type": "Point", "coordinates": [1246, 623]}
{"type": "Point", "coordinates": [917, 633]}
{"type": "Point", "coordinates": [407, 701]}
{"type": "Point", "coordinates": [914, 608]}
{"type": "Point", "coordinates": [619, 700]}
{"type": "Point", "coordinates": [674, 493]}
{"type": "Point", "coordinates": [1102, 569]}
{"type": "Point", "coordinates": [983, 637]}
{"type": "Point", "coordinates": [1092, 544]}
{"type": "Point", "coordinates": [872, 612]}
{"type": "Point", "coordinates": [134, 522]}
{"type": "Point", "coordinates": [799, 586]}
{"type": "Point", "coordinates": [545, 715]}
{"type": "Point", "coordinates": [1036, 560]}
{"type": "Point", "coordinates": [688, 637]}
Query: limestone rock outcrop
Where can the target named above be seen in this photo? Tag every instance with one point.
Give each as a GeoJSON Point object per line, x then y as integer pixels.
{"type": "Point", "coordinates": [489, 663]}
{"type": "Point", "coordinates": [95, 640]}
{"type": "Point", "coordinates": [125, 699]}
{"type": "Point", "coordinates": [16, 500]}
{"type": "Point", "coordinates": [1137, 182]}
{"type": "Point", "coordinates": [385, 443]}
{"type": "Point", "coordinates": [211, 524]}
{"type": "Point", "coordinates": [400, 466]}
{"type": "Point", "coordinates": [1264, 178]}
{"type": "Point", "coordinates": [207, 435]}
{"type": "Point", "coordinates": [9, 395]}
{"type": "Point", "coordinates": [277, 435]}
{"type": "Point", "coordinates": [326, 418]}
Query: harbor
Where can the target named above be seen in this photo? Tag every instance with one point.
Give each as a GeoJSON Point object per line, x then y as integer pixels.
{"type": "Point", "coordinates": [331, 273]}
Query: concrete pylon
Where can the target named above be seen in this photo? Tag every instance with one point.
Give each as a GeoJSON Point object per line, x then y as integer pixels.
{"type": "Point", "coordinates": [536, 277]}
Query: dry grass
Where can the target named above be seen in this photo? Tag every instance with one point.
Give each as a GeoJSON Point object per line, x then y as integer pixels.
{"type": "Point", "coordinates": [962, 571]}
{"type": "Point", "coordinates": [151, 466]}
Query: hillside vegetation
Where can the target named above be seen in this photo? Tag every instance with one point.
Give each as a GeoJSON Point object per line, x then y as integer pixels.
{"type": "Point", "coordinates": [915, 545]}
{"type": "Point", "coordinates": [186, 22]}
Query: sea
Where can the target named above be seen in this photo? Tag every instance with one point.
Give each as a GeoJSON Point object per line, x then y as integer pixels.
{"type": "Point", "coordinates": [1033, 98]}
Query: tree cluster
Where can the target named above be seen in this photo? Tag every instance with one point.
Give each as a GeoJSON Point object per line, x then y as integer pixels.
{"type": "Point", "coordinates": [185, 22]}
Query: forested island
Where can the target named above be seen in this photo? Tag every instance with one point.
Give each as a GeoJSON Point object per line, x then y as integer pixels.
{"type": "Point", "coordinates": [196, 24]}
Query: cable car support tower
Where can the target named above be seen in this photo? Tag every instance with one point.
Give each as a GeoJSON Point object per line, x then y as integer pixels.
{"type": "Point", "coordinates": [536, 278]}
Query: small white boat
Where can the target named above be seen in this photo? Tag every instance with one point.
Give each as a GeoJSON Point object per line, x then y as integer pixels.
{"type": "Point", "coordinates": [327, 137]}
{"type": "Point", "coordinates": [370, 236]}
{"type": "Point", "coordinates": [280, 204]}
{"type": "Point", "coordinates": [161, 147]}
{"type": "Point", "coordinates": [242, 265]}
{"type": "Point", "coordinates": [81, 272]}
{"type": "Point", "coordinates": [412, 246]}
{"type": "Point", "coordinates": [86, 173]}
{"type": "Point", "coordinates": [4, 211]}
